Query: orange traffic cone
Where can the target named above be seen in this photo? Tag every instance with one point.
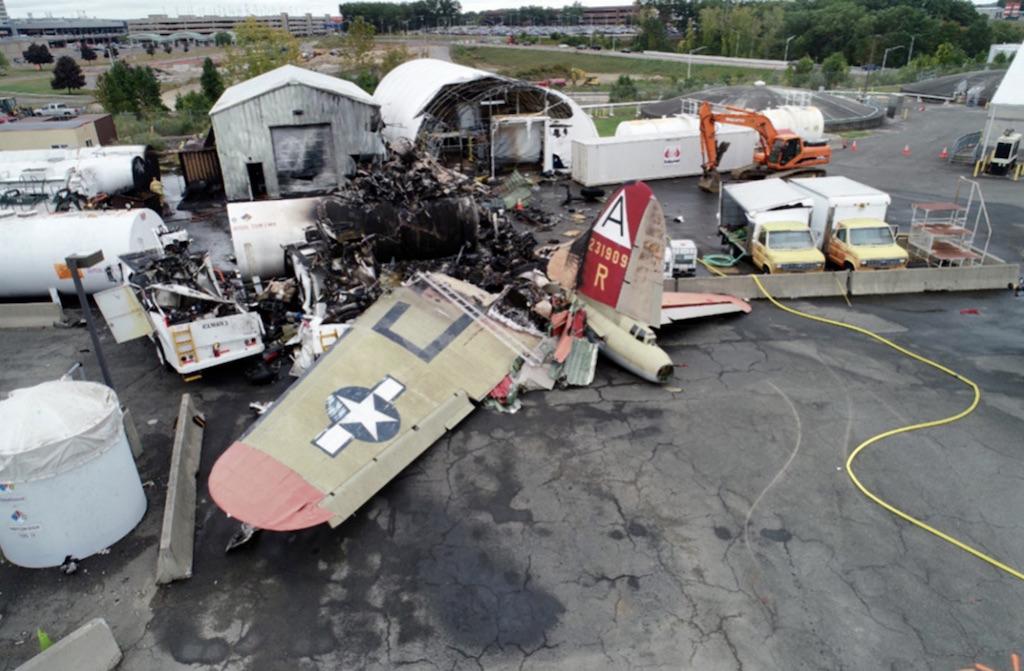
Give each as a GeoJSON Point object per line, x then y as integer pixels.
{"type": "Point", "coordinates": [906, 150]}
{"type": "Point", "coordinates": [853, 146]}
{"type": "Point", "coordinates": [944, 154]}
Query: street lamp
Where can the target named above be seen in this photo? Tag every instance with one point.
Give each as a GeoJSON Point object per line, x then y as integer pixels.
{"type": "Point", "coordinates": [74, 263]}
{"type": "Point", "coordinates": [910, 52]}
{"type": "Point", "coordinates": [886, 54]}
{"type": "Point", "coordinates": [689, 59]}
{"type": "Point", "coordinates": [788, 40]}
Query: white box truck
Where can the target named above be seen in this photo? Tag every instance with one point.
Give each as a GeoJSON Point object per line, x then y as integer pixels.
{"type": "Point", "coordinates": [768, 220]}
{"type": "Point", "coordinates": [848, 223]}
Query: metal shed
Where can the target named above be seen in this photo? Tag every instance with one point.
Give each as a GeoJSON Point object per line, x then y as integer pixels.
{"type": "Point", "coordinates": [293, 132]}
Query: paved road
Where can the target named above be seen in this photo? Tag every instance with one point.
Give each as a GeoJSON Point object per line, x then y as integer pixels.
{"type": "Point", "coordinates": [698, 59]}
{"type": "Point", "coordinates": [705, 525]}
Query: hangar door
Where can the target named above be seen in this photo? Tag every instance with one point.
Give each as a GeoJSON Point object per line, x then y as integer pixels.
{"type": "Point", "coordinates": [304, 158]}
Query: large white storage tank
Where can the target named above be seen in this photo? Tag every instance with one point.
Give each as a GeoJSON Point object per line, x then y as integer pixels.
{"type": "Point", "coordinates": [34, 249]}
{"type": "Point", "coordinates": [68, 483]}
{"type": "Point", "coordinates": [664, 126]}
{"type": "Point", "coordinates": [807, 122]}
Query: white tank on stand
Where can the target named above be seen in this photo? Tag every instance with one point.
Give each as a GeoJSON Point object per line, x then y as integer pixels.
{"type": "Point", "coordinates": [807, 122]}
{"type": "Point", "coordinates": [664, 126]}
{"type": "Point", "coordinates": [68, 483]}
{"type": "Point", "coordinates": [34, 247]}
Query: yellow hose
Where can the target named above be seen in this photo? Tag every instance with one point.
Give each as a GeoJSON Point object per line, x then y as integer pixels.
{"type": "Point", "coordinates": [903, 429]}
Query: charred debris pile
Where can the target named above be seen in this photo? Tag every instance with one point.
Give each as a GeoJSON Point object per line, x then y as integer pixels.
{"type": "Point", "coordinates": [408, 215]}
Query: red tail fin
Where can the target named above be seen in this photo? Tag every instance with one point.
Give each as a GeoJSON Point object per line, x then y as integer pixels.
{"type": "Point", "coordinates": [625, 246]}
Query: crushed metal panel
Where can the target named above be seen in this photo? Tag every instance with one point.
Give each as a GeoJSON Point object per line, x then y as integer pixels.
{"type": "Point", "coordinates": [123, 313]}
{"type": "Point", "coordinates": [581, 364]}
{"type": "Point", "coordinates": [374, 402]}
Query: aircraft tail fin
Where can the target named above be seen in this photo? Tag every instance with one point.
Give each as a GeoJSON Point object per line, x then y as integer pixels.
{"type": "Point", "coordinates": [619, 261]}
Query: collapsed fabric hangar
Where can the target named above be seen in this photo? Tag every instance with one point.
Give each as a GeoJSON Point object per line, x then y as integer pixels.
{"type": "Point", "coordinates": [491, 122]}
{"type": "Point", "coordinates": [293, 132]}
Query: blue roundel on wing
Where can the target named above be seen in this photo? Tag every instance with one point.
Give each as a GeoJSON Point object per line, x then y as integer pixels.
{"type": "Point", "coordinates": [364, 414]}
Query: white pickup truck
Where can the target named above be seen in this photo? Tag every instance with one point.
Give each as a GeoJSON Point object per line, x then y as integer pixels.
{"type": "Point", "coordinates": [57, 110]}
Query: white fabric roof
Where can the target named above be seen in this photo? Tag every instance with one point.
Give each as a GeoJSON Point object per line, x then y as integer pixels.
{"type": "Point", "coordinates": [1011, 90]}
{"type": "Point", "coordinates": [406, 90]}
{"type": "Point", "coordinates": [55, 427]}
{"type": "Point", "coordinates": [288, 75]}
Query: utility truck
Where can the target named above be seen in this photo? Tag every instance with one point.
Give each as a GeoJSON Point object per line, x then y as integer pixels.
{"type": "Point", "coordinates": [1006, 154]}
{"type": "Point", "coordinates": [848, 224]}
{"type": "Point", "coordinates": [768, 221]}
{"type": "Point", "coordinates": [680, 258]}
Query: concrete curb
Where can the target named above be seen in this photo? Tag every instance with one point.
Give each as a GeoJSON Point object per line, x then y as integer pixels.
{"type": "Point", "coordinates": [177, 538]}
{"type": "Point", "coordinates": [843, 282]}
{"type": "Point", "coordinates": [91, 647]}
{"type": "Point", "coordinates": [29, 315]}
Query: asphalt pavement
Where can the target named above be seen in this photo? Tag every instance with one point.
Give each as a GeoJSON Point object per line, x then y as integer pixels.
{"type": "Point", "coordinates": [707, 524]}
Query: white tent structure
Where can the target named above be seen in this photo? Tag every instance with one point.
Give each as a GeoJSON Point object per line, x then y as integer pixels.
{"type": "Point", "coordinates": [465, 113]}
{"type": "Point", "coordinates": [1006, 109]}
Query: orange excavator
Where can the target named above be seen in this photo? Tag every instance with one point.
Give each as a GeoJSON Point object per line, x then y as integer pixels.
{"type": "Point", "coordinates": [781, 154]}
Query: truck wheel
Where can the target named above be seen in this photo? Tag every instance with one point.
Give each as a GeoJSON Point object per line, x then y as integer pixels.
{"type": "Point", "coordinates": [766, 270]}
{"type": "Point", "coordinates": [848, 266]}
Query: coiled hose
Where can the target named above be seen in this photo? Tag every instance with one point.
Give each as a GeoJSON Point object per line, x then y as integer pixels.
{"type": "Point", "coordinates": [902, 429]}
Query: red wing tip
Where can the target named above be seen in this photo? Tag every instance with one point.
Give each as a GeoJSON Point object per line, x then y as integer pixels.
{"type": "Point", "coordinates": [254, 487]}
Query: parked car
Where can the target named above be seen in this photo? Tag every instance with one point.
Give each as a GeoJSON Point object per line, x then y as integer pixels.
{"type": "Point", "coordinates": [58, 110]}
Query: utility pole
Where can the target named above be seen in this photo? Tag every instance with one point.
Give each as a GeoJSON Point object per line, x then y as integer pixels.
{"type": "Point", "coordinates": [910, 52]}
{"type": "Point", "coordinates": [689, 59]}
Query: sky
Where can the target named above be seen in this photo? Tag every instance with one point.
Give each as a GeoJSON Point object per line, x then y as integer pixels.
{"type": "Point", "coordinates": [126, 9]}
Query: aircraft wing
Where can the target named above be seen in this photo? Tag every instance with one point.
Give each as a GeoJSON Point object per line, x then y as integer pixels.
{"type": "Point", "coordinates": [678, 306]}
{"type": "Point", "coordinates": [404, 374]}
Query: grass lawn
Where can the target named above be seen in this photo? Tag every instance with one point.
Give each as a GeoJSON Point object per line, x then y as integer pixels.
{"type": "Point", "coordinates": [37, 85]}
{"type": "Point", "coordinates": [509, 61]}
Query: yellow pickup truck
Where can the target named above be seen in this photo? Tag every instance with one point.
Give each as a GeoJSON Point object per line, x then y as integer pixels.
{"type": "Point", "coordinates": [785, 247]}
{"type": "Point", "coordinates": [864, 244]}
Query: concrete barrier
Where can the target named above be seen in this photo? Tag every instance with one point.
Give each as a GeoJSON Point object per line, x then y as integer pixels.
{"type": "Point", "coordinates": [917, 280]}
{"type": "Point", "coordinates": [804, 285]}
{"type": "Point", "coordinates": [177, 538]}
{"type": "Point", "coordinates": [864, 283]}
{"type": "Point", "coordinates": [29, 315]}
{"type": "Point", "coordinates": [91, 647]}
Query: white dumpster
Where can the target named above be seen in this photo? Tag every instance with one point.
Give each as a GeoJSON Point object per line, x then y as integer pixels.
{"type": "Point", "coordinates": [68, 483]}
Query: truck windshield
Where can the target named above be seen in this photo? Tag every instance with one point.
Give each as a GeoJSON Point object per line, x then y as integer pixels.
{"type": "Point", "coordinates": [790, 240]}
{"type": "Point", "coordinates": [871, 236]}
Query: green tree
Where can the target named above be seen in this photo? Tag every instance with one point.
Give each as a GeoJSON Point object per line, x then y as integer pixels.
{"type": "Point", "coordinates": [799, 73]}
{"type": "Point", "coordinates": [835, 69]}
{"type": "Point", "coordinates": [67, 75]}
{"type": "Point", "coordinates": [150, 48]}
{"type": "Point", "coordinates": [124, 88]}
{"type": "Point", "coordinates": [4, 63]}
{"type": "Point", "coordinates": [623, 90]}
{"type": "Point", "coordinates": [653, 35]}
{"type": "Point", "coordinates": [948, 54]}
{"type": "Point", "coordinates": [38, 55]}
{"type": "Point", "coordinates": [168, 47]}
{"type": "Point", "coordinates": [222, 39]}
{"type": "Point", "coordinates": [358, 43]}
{"type": "Point", "coordinates": [210, 81]}
{"type": "Point", "coordinates": [87, 52]}
{"type": "Point", "coordinates": [259, 48]}
{"type": "Point", "coordinates": [193, 103]}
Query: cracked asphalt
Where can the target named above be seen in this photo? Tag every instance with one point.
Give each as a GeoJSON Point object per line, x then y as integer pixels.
{"type": "Point", "coordinates": [707, 524]}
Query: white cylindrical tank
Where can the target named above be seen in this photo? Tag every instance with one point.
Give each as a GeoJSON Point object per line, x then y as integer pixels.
{"type": "Point", "coordinates": [109, 174]}
{"type": "Point", "coordinates": [34, 248]}
{"type": "Point", "coordinates": [68, 483]}
{"type": "Point", "coordinates": [664, 126]}
{"type": "Point", "coordinates": [807, 122]}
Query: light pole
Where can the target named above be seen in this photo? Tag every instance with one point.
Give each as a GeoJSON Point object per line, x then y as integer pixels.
{"type": "Point", "coordinates": [886, 54]}
{"type": "Point", "coordinates": [910, 52]}
{"type": "Point", "coordinates": [74, 263]}
{"type": "Point", "coordinates": [689, 59]}
{"type": "Point", "coordinates": [788, 40]}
